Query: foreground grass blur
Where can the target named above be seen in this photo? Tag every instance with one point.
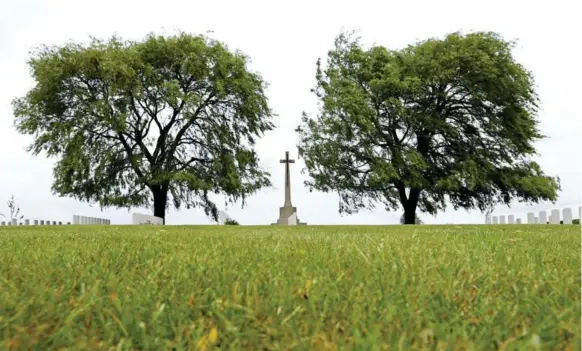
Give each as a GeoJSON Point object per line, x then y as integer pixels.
{"type": "Point", "coordinates": [338, 287]}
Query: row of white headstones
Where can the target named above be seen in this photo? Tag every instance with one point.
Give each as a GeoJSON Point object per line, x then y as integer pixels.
{"type": "Point", "coordinates": [14, 221]}
{"type": "Point", "coordinates": [542, 217]}
{"type": "Point", "coordinates": [136, 218]}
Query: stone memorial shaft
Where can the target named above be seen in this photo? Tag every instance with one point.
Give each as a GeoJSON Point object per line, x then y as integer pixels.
{"type": "Point", "coordinates": [287, 162]}
{"type": "Point", "coordinates": [288, 211]}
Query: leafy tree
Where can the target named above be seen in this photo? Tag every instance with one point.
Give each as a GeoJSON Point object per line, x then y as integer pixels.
{"type": "Point", "coordinates": [440, 121]}
{"type": "Point", "coordinates": [417, 220]}
{"type": "Point", "coordinates": [133, 123]}
{"type": "Point", "coordinates": [14, 210]}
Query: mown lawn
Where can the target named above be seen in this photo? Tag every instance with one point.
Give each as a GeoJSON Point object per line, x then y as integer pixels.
{"type": "Point", "coordinates": [512, 287]}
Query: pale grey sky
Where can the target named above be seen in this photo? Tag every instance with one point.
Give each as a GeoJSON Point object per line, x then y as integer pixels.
{"type": "Point", "coordinates": [284, 40]}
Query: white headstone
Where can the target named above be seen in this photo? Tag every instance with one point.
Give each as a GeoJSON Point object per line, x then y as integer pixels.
{"type": "Point", "coordinates": [543, 217]}
{"type": "Point", "coordinates": [518, 221]}
{"type": "Point", "coordinates": [36, 222]}
{"type": "Point", "coordinates": [292, 220]}
{"type": "Point", "coordinates": [14, 221]}
{"type": "Point", "coordinates": [530, 218]}
{"type": "Point", "coordinates": [567, 216]}
{"type": "Point", "coordinates": [510, 219]}
{"type": "Point", "coordinates": [495, 220]}
{"type": "Point", "coordinates": [41, 222]}
{"type": "Point", "coordinates": [138, 218]}
{"type": "Point", "coordinates": [27, 222]}
{"type": "Point", "coordinates": [501, 219]}
{"type": "Point", "coordinates": [2, 223]}
{"type": "Point", "coordinates": [54, 222]}
{"type": "Point", "coordinates": [555, 217]}
{"type": "Point", "coordinates": [536, 220]}
{"type": "Point", "coordinates": [488, 220]}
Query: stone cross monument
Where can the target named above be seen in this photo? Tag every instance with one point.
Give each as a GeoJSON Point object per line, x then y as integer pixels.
{"type": "Point", "coordinates": [288, 211]}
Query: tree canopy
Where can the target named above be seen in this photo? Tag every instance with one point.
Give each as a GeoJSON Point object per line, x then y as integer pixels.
{"type": "Point", "coordinates": [139, 122]}
{"type": "Point", "coordinates": [443, 121]}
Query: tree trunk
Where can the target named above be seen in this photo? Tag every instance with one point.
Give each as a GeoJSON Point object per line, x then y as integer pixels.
{"type": "Point", "coordinates": [409, 215]}
{"type": "Point", "coordinates": [160, 193]}
{"type": "Point", "coordinates": [410, 206]}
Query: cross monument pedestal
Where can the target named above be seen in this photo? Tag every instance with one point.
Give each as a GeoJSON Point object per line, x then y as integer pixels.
{"type": "Point", "coordinates": [288, 213]}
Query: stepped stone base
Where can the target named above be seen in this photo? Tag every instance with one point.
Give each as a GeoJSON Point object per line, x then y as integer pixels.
{"type": "Point", "coordinates": [284, 213]}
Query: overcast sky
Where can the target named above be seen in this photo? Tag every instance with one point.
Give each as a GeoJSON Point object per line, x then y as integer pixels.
{"type": "Point", "coordinates": [284, 40]}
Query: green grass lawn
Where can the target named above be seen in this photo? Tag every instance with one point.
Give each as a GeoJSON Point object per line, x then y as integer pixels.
{"type": "Point", "coordinates": [512, 287]}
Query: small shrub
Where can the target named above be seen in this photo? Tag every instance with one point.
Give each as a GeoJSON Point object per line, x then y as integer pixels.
{"type": "Point", "coordinates": [230, 221]}
{"type": "Point", "coordinates": [575, 221]}
{"type": "Point", "coordinates": [14, 210]}
{"type": "Point", "coordinates": [417, 219]}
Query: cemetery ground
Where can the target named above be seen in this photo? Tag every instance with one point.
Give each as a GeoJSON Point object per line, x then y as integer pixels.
{"type": "Point", "coordinates": [472, 287]}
